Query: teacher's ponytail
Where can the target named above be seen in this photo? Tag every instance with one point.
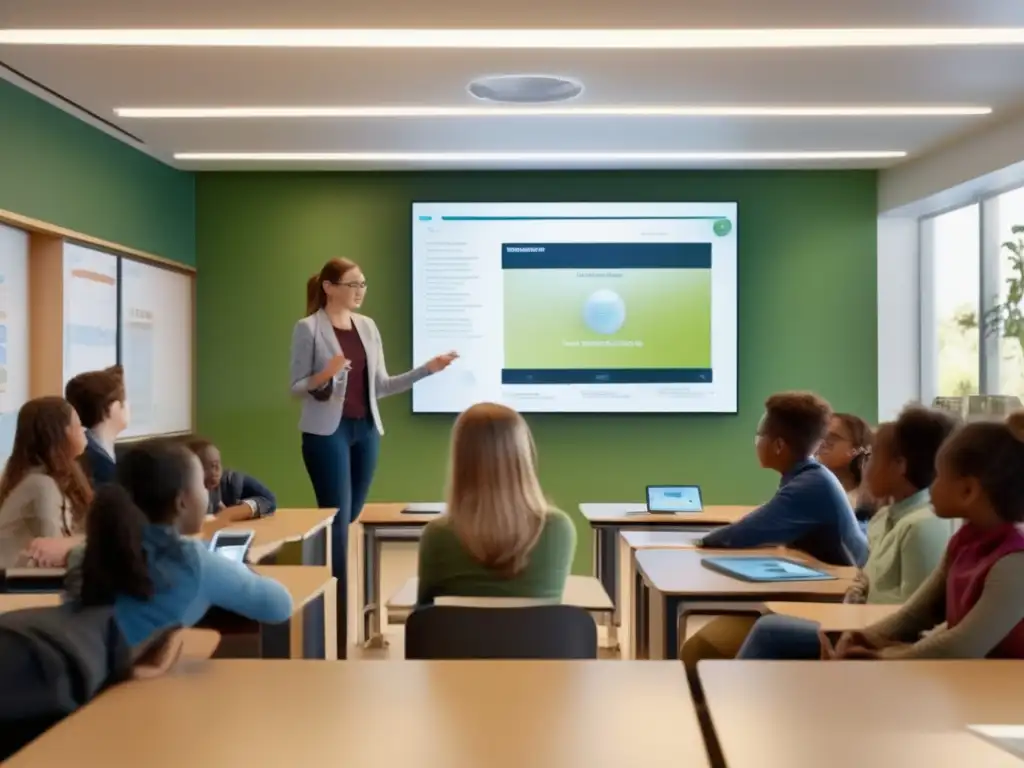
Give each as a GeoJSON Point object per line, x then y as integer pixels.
{"type": "Point", "coordinates": [314, 291]}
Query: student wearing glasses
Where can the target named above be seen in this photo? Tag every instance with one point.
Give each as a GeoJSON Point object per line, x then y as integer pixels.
{"type": "Point", "coordinates": [844, 452]}
{"type": "Point", "coordinates": [338, 372]}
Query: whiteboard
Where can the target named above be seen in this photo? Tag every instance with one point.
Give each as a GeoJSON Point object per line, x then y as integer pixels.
{"type": "Point", "coordinates": [13, 333]}
{"type": "Point", "coordinates": [90, 310]}
{"type": "Point", "coordinates": [156, 348]}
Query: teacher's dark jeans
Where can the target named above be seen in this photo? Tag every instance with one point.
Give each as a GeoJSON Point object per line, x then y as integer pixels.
{"type": "Point", "coordinates": [341, 468]}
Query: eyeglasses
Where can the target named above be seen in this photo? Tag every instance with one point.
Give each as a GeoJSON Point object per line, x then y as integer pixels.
{"type": "Point", "coordinates": [361, 286]}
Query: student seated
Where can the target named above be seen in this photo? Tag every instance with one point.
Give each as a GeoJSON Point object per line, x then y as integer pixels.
{"type": "Point", "coordinates": [972, 606]}
{"type": "Point", "coordinates": [810, 511]}
{"type": "Point", "coordinates": [844, 452]}
{"type": "Point", "coordinates": [44, 494]}
{"type": "Point", "coordinates": [500, 536]}
{"type": "Point", "coordinates": [906, 539]}
{"type": "Point", "coordinates": [234, 495]}
{"type": "Point", "coordinates": [100, 400]}
{"type": "Point", "coordinates": [139, 558]}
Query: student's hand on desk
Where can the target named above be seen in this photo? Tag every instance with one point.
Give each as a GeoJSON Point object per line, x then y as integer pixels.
{"type": "Point", "coordinates": [852, 645]}
{"type": "Point", "coordinates": [50, 553]}
{"type": "Point", "coordinates": [439, 363]}
{"type": "Point", "coordinates": [235, 514]}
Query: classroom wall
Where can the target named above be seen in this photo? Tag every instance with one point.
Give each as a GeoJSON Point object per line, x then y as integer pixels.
{"type": "Point", "coordinates": [60, 170]}
{"type": "Point", "coordinates": [807, 269]}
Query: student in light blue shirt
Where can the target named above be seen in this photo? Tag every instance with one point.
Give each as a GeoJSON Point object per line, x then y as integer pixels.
{"type": "Point", "coordinates": [138, 556]}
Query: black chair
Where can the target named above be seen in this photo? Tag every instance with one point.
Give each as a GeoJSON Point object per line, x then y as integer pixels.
{"type": "Point", "coordinates": [535, 632]}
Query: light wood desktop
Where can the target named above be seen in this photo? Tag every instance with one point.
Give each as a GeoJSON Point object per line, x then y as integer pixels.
{"type": "Point", "coordinates": [583, 591]}
{"type": "Point", "coordinates": [861, 713]}
{"type": "Point", "coordinates": [20, 601]}
{"type": "Point", "coordinates": [609, 520]}
{"type": "Point", "coordinates": [675, 582]}
{"type": "Point", "coordinates": [310, 527]}
{"type": "Point", "coordinates": [834, 617]}
{"type": "Point", "coordinates": [309, 633]}
{"type": "Point", "coordinates": [500, 714]}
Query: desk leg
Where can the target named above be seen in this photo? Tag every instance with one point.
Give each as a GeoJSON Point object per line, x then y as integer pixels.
{"type": "Point", "coordinates": [301, 638]}
{"type": "Point", "coordinates": [372, 607]}
{"type": "Point", "coordinates": [640, 636]}
{"type": "Point", "coordinates": [606, 566]}
{"type": "Point", "coordinates": [314, 548]}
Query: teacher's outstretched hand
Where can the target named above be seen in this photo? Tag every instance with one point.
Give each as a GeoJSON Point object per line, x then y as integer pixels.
{"type": "Point", "coordinates": [338, 371]}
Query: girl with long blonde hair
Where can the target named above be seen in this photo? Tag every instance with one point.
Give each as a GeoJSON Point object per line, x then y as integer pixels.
{"type": "Point", "coordinates": [500, 536]}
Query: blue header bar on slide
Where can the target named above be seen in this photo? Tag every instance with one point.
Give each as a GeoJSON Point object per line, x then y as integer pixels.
{"type": "Point", "coordinates": [606, 256]}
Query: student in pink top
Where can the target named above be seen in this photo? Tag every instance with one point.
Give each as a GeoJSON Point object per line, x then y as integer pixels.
{"type": "Point", "coordinates": [972, 606]}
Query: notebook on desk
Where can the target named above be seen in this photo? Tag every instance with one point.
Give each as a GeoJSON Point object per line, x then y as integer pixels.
{"type": "Point", "coordinates": [1009, 738]}
{"type": "Point", "coordinates": [425, 508]}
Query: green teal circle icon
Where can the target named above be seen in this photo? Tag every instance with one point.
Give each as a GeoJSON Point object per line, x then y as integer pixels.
{"type": "Point", "coordinates": [722, 227]}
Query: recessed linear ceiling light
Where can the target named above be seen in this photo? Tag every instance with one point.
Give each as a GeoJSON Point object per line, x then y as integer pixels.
{"type": "Point", "coordinates": [541, 157]}
{"type": "Point", "coordinates": [524, 38]}
{"type": "Point", "coordinates": [212, 113]}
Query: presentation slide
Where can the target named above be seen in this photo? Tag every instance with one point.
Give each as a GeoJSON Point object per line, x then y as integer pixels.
{"type": "Point", "coordinates": [90, 310]}
{"type": "Point", "coordinates": [577, 307]}
{"type": "Point", "coordinates": [13, 333]}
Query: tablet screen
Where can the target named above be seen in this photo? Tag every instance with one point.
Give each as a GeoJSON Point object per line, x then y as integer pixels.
{"type": "Point", "coordinates": [766, 569]}
{"type": "Point", "coordinates": [232, 545]}
{"type": "Point", "coordinates": [673, 498]}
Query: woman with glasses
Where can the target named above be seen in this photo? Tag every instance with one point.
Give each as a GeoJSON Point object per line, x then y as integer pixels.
{"type": "Point", "coordinates": [338, 371]}
{"type": "Point", "coordinates": [845, 451]}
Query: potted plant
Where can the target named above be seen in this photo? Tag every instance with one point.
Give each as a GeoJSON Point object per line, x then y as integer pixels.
{"type": "Point", "coordinates": [1005, 317]}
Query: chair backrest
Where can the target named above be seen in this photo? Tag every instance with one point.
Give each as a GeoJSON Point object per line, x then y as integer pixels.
{"type": "Point", "coordinates": [535, 632]}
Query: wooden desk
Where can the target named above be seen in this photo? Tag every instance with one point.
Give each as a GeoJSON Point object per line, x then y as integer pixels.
{"type": "Point", "coordinates": [382, 522]}
{"type": "Point", "coordinates": [429, 714]}
{"type": "Point", "coordinates": [834, 617]}
{"type": "Point", "coordinates": [609, 520]}
{"type": "Point", "coordinates": [629, 541]}
{"type": "Point", "coordinates": [853, 714]}
{"type": "Point", "coordinates": [305, 636]}
{"type": "Point", "coordinates": [18, 602]}
{"type": "Point", "coordinates": [583, 591]}
{"type": "Point", "coordinates": [674, 582]}
{"type": "Point", "coordinates": [311, 527]}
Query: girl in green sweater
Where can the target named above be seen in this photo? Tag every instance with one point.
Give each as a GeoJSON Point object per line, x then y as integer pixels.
{"type": "Point", "coordinates": [500, 537]}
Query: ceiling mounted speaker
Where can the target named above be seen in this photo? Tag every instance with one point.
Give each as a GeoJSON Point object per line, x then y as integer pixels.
{"type": "Point", "coordinates": [525, 89]}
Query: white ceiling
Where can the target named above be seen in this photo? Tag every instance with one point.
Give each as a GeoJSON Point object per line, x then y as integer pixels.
{"type": "Point", "coordinates": [101, 79]}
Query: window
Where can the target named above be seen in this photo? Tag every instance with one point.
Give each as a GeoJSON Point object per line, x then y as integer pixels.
{"type": "Point", "coordinates": [13, 333]}
{"type": "Point", "coordinates": [1010, 213]}
{"type": "Point", "coordinates": [955, 245]}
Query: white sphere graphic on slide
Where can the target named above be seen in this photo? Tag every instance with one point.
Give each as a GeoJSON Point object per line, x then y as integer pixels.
{"type": "Point", "coordinates": [604, 311]}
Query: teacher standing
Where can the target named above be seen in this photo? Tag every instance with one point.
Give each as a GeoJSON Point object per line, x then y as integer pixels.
{"type": "Point", "coordinates": [337, 369]}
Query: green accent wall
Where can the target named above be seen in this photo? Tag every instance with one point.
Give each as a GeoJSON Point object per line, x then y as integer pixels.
{"type": "Point", "coordinates": [60, 170]}
{"type": "Point", "coordinates": [807, 245]}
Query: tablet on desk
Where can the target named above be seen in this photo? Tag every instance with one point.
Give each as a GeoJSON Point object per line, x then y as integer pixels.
{"type": "Point", "coordinates": [673, 499]}
{"type": "Point", "coordinates": [766, 569]}
{"type": "Point", "coordinates": [233, 545]}
{"type": "Point", "coordinates": [425, 508]}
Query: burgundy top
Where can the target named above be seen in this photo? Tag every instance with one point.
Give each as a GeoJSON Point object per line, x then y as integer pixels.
{"type": "Point", "coordinates": [971, 554]}
{"type": "Point", "coordinates": [357, 403]}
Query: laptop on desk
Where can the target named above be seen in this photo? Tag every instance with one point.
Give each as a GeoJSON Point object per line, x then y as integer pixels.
{"type": "Point", "coordinates": [674, 499]}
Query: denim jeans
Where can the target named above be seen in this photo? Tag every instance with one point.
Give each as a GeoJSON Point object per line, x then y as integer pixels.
{"type": "Point", "coordinates": [341, 468]}
{"type": "Point", "coordinates": [783, 638]}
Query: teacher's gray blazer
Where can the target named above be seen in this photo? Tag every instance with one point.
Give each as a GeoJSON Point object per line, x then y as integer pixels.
{"type": "Point", "coordinates": [313, 345]}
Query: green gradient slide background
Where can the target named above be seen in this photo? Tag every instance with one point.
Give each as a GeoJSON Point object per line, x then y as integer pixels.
{"type": "Point", "coordinates": [669, 310]}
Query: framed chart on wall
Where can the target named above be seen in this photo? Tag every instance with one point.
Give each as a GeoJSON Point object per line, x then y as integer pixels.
{"type": "Point", "coordinates": [14, 385]}
{"type": "Point", "coordinates": [90, 310]}
{"type": "Point", "coordinates": [156, 347]}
